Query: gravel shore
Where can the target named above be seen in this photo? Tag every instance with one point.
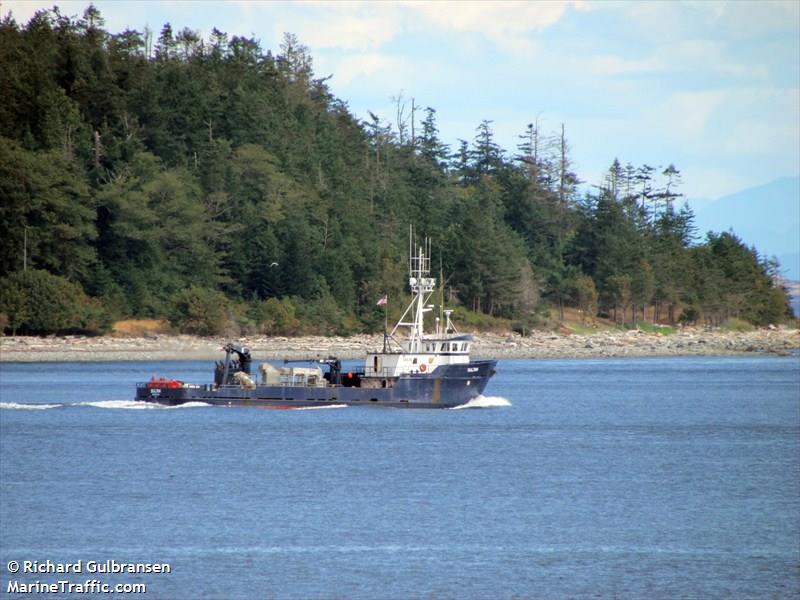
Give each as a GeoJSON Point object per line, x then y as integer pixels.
{"type": "Point", "coordinates": [540, 344]}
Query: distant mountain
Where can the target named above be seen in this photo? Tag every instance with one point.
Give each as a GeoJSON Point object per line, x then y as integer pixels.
{"type": "Point", "coordinates": [767, 217]}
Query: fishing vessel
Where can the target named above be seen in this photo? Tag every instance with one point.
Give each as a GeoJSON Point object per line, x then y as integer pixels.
{"type": "Point", "coordinates": [412, 370]}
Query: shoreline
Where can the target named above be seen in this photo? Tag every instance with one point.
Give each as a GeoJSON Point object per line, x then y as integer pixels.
{"type": "Point", "coordinates": [540, 344]}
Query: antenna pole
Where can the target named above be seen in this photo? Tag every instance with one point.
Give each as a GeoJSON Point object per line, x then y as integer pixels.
{"type": "Point", "coordinates": [410, 244]}
{"type": "Point", "coordinates": [385, 325]}
{"type": "Point", "coordinates": [441, 289]}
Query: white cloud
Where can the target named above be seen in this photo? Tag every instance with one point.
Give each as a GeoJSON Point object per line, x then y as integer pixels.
{"type": "Point", "coordinates": [684, 116]}
{"type": "Point", "coordinates": [349, 32]}
{"type": "Point", "coordinates": [508, 24]}
{"type": "Point", "coordinates": [373, 66]}
{"type": "Point", "coordinates": [751, 19]}
{"type": "Point", "coordinates": [754, 132]}
{"type": "Point", "coordinates": [493, 18]}
{"type": "Point", "coordinates": [710, 56]}
{"type": "Point", "coordinates": [348, 26]}
{"type": "Point", "coordinates": [763, 121]}
{"type": "Point", "coordinates": [372, 80]}
{"type": "Point", "coordinates": [608, 65]}
{"type": "Point", "coordinates": [363, 26]}
{"type": "Point", "coordinates": [684, 56]}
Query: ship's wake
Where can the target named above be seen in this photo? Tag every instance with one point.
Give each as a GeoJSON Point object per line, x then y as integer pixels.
{"type": "Point", "coordinates": [479, 402]}
{"type": "Point", "coordinates": [123, 404]}
{"type": "Point", "coordinates": [17, 406]}
{"type": "Point", "coordinates": [484, 402]}
{"type": "Point", "coordinates": [138, 405]}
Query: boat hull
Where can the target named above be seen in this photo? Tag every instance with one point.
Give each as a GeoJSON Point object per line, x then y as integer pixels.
{"type": "Point", "coordinates": [446, 387]}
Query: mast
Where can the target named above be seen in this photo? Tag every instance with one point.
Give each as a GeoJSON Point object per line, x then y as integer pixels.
{"type": "Point", "coordinates": [441, 297]}
{"type": "Point", "coordinates": [422, 287]}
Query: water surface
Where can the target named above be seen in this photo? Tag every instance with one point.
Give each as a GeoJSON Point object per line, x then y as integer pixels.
{"type": "Point", "coordinates": [637, 478]}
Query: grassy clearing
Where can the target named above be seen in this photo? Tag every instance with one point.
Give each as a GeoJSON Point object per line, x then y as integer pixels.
{"type": "Point", "coordinates": [140, 327]}
{"type": "Point", "coordinates": [651, 327]}
{"type": "Point", "coordinates": [467, 320]}
{"type": "Point", "coordinates": [583, 328]}
{"type": "Point", "coordinates": [736, 325]}
{"type": "Point", "coordinates": [575, 321]}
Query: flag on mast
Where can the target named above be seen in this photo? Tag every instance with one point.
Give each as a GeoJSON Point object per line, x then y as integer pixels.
{"type": "Point", "coordinates": [383, 301]}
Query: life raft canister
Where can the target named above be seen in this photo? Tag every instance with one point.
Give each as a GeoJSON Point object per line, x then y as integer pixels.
{"type": "Point", "coordinates": [164, 383]}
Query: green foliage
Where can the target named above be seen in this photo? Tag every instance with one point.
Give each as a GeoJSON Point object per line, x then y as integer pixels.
{"type": "Point", "coordinates": [46, 213]}
{"type": "Point", "coordinates": [219, 183]}
{"type": "Point", "coordinates": [643, 286]}
{"type": "Point", "coordinates": [201, 311]}
{"type": "Point", "coordinates": [487, 258]}
{"type": "Point", "coordinates": [651, 328]}
{"type": "Point", "coordinates": [580, 328]}
{"type": "Point", "coordinates": [36, 302]}
{"type": "Point", "coordinates": [585, 294]}
{"type": "Point", "coordinates": [156, 238]}
{"type": "Point", "coordinates": [468, 320]}
{"type": "Point", "coordinates": [323, 316]}
{"type": "Point", "coordinates": [14, 303]}
{"type": "Point", "coordinates": [276, 317]}
{"type": "Point", "coordinates": [618, 290]}
{"type": "Point", "coordinates": [735, 324]}
{"type": "Point", "coordinates": [738, 285]}
{"type": "Point", "coordinates": [689, 316]}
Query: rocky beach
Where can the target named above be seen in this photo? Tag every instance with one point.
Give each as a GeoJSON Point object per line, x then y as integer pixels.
{"type": "Point", "coordinates": [539, 344]}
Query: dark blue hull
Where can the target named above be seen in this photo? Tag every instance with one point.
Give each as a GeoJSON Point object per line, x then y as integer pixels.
{"type": "Point", "coordinates": [448, 386]}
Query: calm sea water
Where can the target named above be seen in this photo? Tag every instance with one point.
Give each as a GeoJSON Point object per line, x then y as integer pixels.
{"type": "Point", "coordinates": [635, 478]}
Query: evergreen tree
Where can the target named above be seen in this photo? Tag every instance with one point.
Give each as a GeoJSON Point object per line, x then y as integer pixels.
{"type": "Point", "coordinates": [156, 174]}
{"type": "Point", "coordinates": [46, 214]}
{"type": "Point", "coordinates": [487, 156]}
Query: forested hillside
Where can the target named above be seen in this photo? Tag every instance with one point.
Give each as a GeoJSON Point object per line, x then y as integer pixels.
{"type": "Point", "coordinates": [214, 183]}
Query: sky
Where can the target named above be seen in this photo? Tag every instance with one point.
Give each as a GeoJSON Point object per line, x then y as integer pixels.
{"type": "Point", "coordinates": [712, 87]}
